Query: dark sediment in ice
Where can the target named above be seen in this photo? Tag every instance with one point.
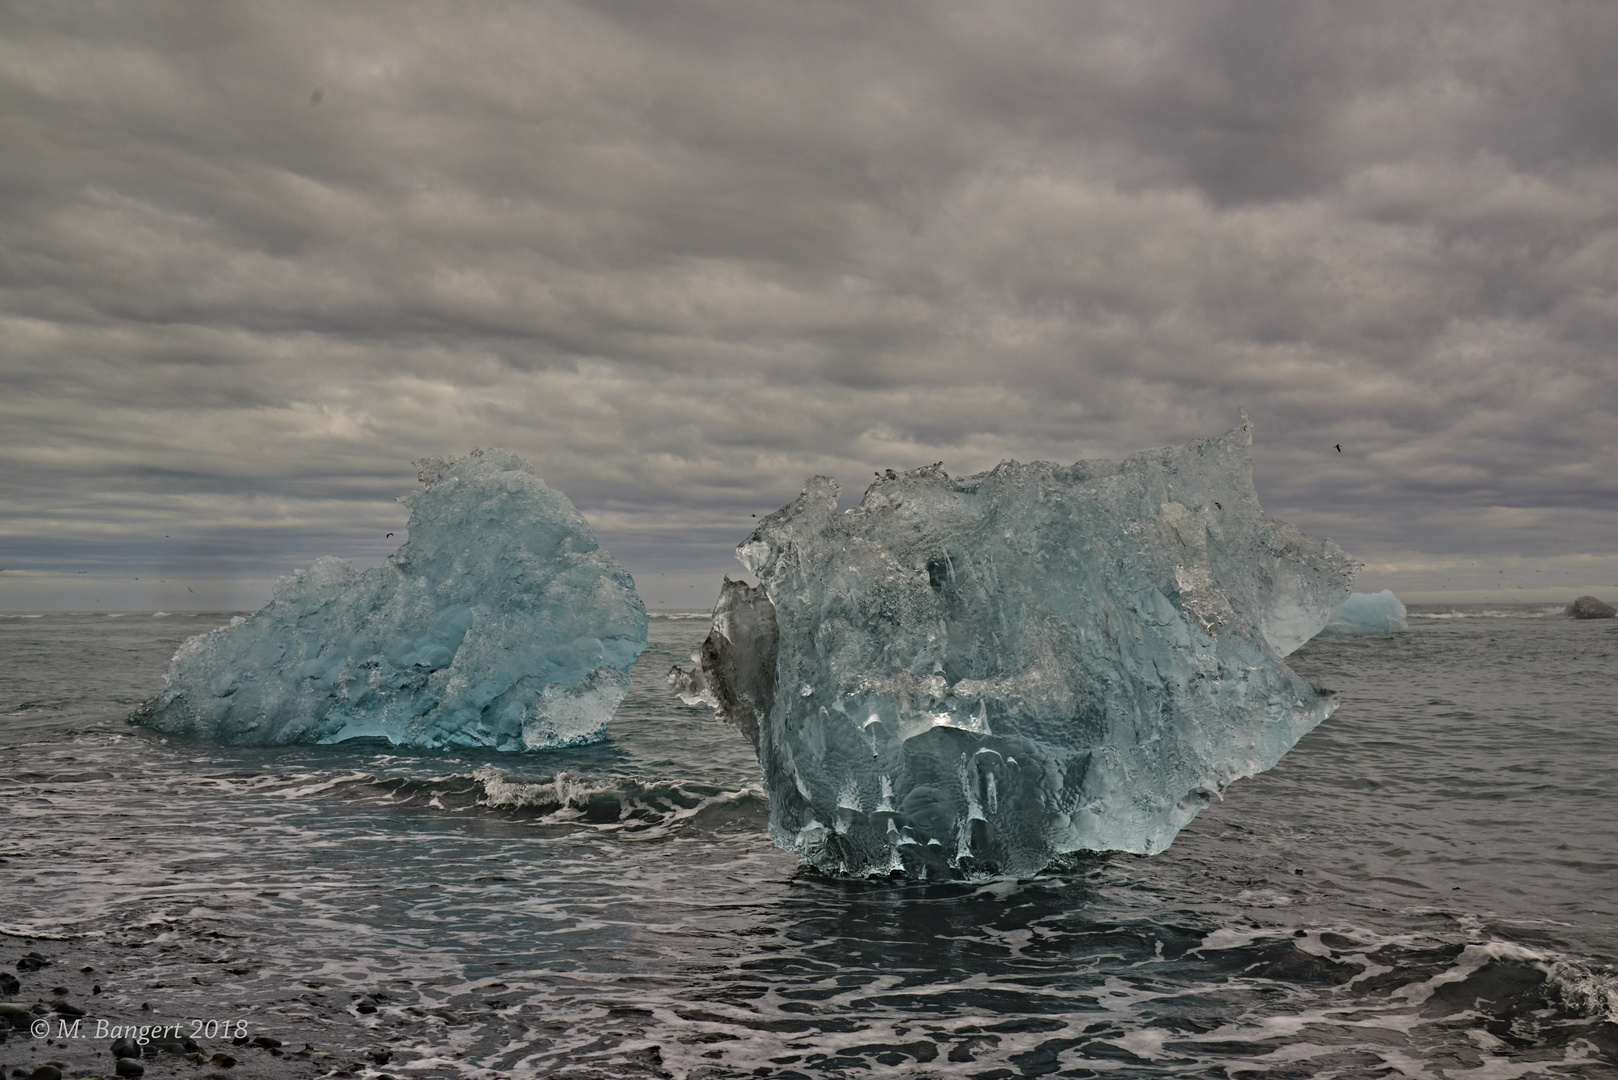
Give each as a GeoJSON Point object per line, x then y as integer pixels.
{"type": "Point", "coordinates": [738, 657]}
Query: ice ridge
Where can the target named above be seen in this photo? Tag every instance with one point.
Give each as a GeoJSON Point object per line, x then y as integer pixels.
{"type": "Point", "coordinates": [971, 676]}
{"type": "Point", "coordinates": [499, 623]}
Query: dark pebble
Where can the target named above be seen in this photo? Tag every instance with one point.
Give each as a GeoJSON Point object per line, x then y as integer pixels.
{"type": "Point", "coordinates": [8, 983]}
{"type": "Point", "coordinates": [18, 1016]}
{"type": "Point", "coordinates": [96, 989]}
{"type": "Point", "coordinates": [122, 1048]}
{"type": "Point", "coordinates": [365, 1007]}
{"type": "Point", "coordinates": [170, 1045]}
{"type": "Point", "coordinates": [381, 1057]}
{"type": "Point", "coordinates": [240, 1040]}
{"type": "Point", "coordinates": [130, 1067]}
{"type": "Point", "coordinates": [86, 969]}
{"type": "Point", "coordinates": [64, 1009]}
{"type": "Point", "coordinates": [269, 1042]}
{"type": "Point", "coordinates": [224, 1061]}
{"type": "Point", "coordinates": [59, 991]}
{"type": "Point", "coordinates": [32, 962]}
{"type": "Point", "coordinates": [46, 1072]}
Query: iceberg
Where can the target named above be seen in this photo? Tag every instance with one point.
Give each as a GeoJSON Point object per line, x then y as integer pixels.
{"type": "Point", "coordinates": [972, 676]}
{"type": "Point", "coordinates": [499, 623]}
{"type": "Point", "coordinates": [1368, 613]}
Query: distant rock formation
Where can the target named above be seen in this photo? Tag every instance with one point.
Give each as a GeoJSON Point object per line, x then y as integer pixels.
{"type": "Point", "coordinates": [1588, 607]}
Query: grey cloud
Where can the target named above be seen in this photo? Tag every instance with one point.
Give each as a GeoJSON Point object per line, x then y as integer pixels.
{"type": "Point", "coordinates": [684, 255]}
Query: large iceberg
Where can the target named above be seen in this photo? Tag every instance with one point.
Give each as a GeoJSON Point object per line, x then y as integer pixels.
{"type": "Point", "coordinates": [499, 623]}
{"type": "Point", "coordinates": [971, 676]}
{"type": "Point", "coordinates": [1368, 613]}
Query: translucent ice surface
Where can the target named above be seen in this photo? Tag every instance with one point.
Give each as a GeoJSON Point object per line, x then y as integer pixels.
{"type": "Point", "coordinates": [499, 623]}
{"type": "Point", "coordinates": [1368, 613]}
{"type": "Point", "coordinates": [970, 676]}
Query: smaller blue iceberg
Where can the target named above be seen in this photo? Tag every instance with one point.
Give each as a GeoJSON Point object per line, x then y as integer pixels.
{"type": "Point", "coordinates": [1368, 613]}
{"type": "Point", "coordinates": [500, 623]}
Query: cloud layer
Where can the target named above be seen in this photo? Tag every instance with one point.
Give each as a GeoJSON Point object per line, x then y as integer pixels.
{"type": "Point", "coordinates": [256, 258]}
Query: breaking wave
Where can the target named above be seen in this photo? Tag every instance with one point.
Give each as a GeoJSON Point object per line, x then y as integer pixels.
{"type": "Point", "coordinates": [1589, 993]}
{"type": "Point", "coordinates": [1536, 612]}
{"type": "Point", "coordinates": [619, 803]}
{"type": "Point", "coordinates": [633, 806]}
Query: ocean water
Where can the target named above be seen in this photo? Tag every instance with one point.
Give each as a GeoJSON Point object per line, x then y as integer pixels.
{"type": "Point", "coordinates": [1426, 886]}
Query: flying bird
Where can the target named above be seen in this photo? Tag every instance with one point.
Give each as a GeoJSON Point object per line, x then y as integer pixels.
{"type": "Point", "coordinates": [389, 536]}
{"type": "Point", "coordinates": [1339, 448]}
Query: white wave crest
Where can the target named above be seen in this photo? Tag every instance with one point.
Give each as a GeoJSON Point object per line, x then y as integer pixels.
{"type": "Point", "coordinates": [1492, 613]}
{"type": "Point", "coordinates": [1592, 993]}
{"type": "Point", "coordinates": [608, 803]}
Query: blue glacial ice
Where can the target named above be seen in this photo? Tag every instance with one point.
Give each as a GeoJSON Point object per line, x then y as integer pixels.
{"type": "Point", "coordinates": [1368, 613]}
{"type": "Point", "coordinates": [970, 676]}
{"type": "Point", "coordinates": [499, 623]}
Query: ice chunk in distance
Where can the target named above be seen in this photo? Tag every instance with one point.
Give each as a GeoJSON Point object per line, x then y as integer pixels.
{"type": "Point", "coordinates": [1368, 613]}
{"type": "Point", "coordinates": [971, 676]}
{"type": "Point", "coordinates": [499, 623]}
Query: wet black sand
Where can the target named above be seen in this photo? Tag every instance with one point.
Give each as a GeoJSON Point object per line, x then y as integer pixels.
{"type": "Point", "coordinates": [218, 1019]}
{"type": "Point", "coordinates": [88, 991]}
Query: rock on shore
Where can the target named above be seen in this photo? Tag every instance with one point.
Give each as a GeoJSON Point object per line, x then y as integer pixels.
{"type": "Point", "coordinates": [1588, 607]}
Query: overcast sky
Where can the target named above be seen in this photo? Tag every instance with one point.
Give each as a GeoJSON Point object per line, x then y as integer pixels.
{"type": "Point", "coordinates": [257, 257]}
